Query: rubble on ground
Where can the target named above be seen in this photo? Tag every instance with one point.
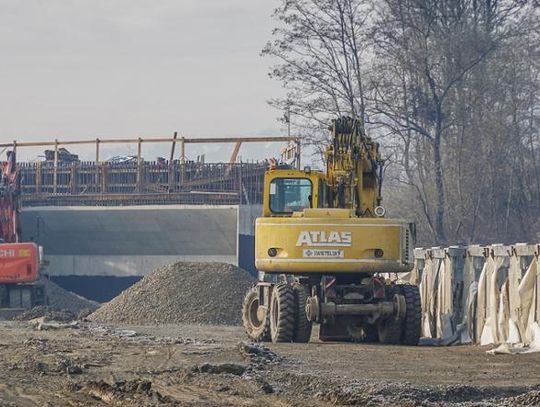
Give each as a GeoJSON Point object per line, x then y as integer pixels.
{"type": "Point", "coordinates": [45, 324]}
{"type": "Point", "coordinates": [257, 354]}
{"type": "Point", "coordinates": [203, 293]}
{"type": "Point", "coordinates": [220, 368]}
{"type": "Point", "coordinates": [137, 392]}
{"type": "Point", "coordinates": [49, 313]}
{"type": "Point", "coordinates": [96, 365]}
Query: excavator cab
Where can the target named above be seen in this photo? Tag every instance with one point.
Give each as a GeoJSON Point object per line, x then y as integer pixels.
{"type": "Point", "coordinates": [289, 191]}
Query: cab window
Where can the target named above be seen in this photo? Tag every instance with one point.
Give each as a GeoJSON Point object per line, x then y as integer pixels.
{"type": "Point", "coordinates": [288, 195]}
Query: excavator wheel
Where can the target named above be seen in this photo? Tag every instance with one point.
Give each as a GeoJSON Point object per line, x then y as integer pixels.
{"type": "Point", "coordinates": [302, 328]}
{"type": "Point", "coordinates": [411, 325]}
{"type": "Point", "coordinates": [282, 313]}
{"type": "Point", "coordinates": [257, 326]}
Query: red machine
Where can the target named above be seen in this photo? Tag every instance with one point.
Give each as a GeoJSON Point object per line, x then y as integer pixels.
{"type": "Point", "coordinates": [19, 262]}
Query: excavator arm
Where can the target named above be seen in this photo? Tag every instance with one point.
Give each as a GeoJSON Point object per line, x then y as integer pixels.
{"type": "Point", "coordinates": [9, 200]}
{"type": "Point", "coordinates": [353, 165]}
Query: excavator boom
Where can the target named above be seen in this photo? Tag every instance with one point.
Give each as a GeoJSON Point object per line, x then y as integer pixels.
{"type": "Point", "coordinates": [352, 164]}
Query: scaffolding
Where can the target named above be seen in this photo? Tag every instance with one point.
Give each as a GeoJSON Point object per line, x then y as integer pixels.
{"type": "Point", "coordinates": [133, 181]}
{"type": "Point", "coordinates": [143, 183]}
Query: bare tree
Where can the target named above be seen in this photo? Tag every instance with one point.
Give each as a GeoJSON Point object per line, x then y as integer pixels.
{"type": "Point", "coordinates": [452, 89]}
{"type": "Point", "coordinates": [320, 46]}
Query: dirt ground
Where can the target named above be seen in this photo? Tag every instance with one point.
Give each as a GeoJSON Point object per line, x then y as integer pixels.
{"type": "Point", "coordinates": [92, 365]}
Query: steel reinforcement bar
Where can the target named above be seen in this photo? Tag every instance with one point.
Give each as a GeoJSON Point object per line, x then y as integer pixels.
{"type": "Point", "coordinates": [139, 183]}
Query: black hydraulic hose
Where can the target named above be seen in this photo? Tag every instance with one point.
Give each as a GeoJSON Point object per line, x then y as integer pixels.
{"type": "Point", "coordinates": [381, 176]}
{"type": "Point", "coordinates": [341, 195]}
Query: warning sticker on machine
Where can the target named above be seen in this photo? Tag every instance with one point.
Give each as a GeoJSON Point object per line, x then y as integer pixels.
{"type": "Point", "coordinates": [316, 253]}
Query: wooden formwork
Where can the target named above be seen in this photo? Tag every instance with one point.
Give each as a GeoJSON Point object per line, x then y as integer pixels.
{"type": "Point", "coordinates": [179, 180]}
{"type": "Point", "coordinates": [145, 182]}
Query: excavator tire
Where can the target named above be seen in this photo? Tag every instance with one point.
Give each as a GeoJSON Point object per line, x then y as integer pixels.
{"type": "Point", "coordinates": [302, 328]}
{"type": "Point", "coordinates": [411, 325]}
{"type": "Point", "coordinates": [283, 312]}
{"type": "Point", "coordinates": [256, 329]}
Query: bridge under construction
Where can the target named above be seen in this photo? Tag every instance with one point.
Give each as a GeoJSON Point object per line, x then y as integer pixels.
{"type": "Point", "coordinates": [106, 223]}
{"type": "Point", "coordinates": [62, 179]}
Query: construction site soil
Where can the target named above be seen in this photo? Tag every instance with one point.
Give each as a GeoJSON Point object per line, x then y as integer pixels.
{"type": "Point", "coordinates": [62, 359]}
{"type": "Point", "coordinates": [181, 292]}
{"type": "Point", "coordinates": [86, 364]}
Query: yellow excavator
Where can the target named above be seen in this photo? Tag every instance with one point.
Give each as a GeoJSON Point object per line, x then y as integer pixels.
{"type": "Point", "coordinates": [324, 248]}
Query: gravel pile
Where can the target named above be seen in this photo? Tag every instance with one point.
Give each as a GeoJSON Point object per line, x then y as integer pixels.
{"type": "Point", "coordinates": [203, 293]}
{"type": "Point", "coordinates": [61, 299]}
{"type": "Point", "coordinates": [62, 305]}
{"type": "Point", "coordinates": [531, 398]}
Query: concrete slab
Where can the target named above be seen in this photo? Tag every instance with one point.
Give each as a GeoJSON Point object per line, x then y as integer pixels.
{"type": "Point", "coordinates": [180, 230]}
{"type": "Point", "coordinates": [120, 266]}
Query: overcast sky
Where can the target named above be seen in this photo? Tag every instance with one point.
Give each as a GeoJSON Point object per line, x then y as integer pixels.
{"type": "Point", "coordinates": [120, 68]}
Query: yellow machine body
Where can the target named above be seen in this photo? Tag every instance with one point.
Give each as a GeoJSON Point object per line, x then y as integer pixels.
{"type": "Point", "coordinates": [327, 240]}
{"type": "Point", "coordinates": [321, 246]}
